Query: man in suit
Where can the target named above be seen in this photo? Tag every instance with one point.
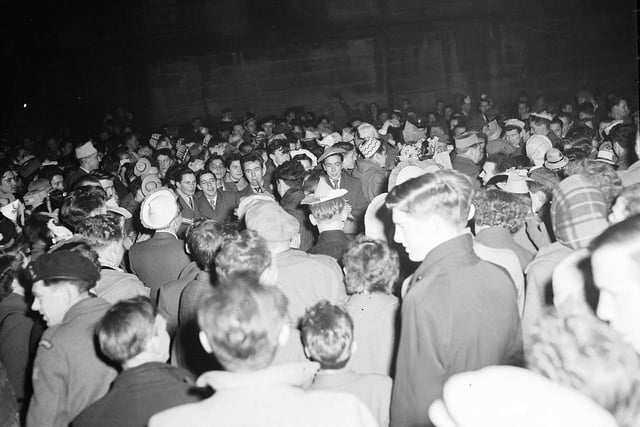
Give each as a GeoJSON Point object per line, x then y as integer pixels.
{"type": "Point", "coordinates": [184, 182]}
{"type": "Point", "coordinates": [211, 203]}
{"type": "Point", "coordinates": [254, 171]}
{"type": "Point", "coordinates": [160, 259]}
{"type": "Point", "coordinates": [87, 155]}
{"type": "Point", "coordinates": [332, 160]}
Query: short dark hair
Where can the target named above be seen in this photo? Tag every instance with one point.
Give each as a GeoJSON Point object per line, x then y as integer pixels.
{"type": "Point", "coordinates": [242, 321]}
{"type": "Point", "coordinates": [80, 203]}
{"type": "Point", "coordinates": [498, 159]}
{"type": "Point", "coordinates": [291, 172]}
{"type": "Point", "coordinates": [180, 173]}
{"type": "Point", "coordinates": [327, 334]}
{"type": "Point", "coordinates": [247, 251]}
{"type": "Point", "coordinates": [278, 144]}
{"type": "Point", "coordinates": [370, 265]}
{"type": "Point", "coordinates": [205, 237]}
{"type": "Point", "coordinates": [233, 157]}
{"type": "Point", "coordinates": [126, 328]}
{"type": "Point", "coordinates": [101, 230]}
{"type": "Point", "coordinates": [252, 157]}
{"type": "Point", "coordinates": [163, 152]}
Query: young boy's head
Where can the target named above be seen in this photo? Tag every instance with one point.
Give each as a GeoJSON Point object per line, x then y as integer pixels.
{"type": "Point", "coordinates": [327, 335]}
{"type": "Point", "coordinates": [242, 322]}
{"type": "Point", "coordinates": [133, 327]}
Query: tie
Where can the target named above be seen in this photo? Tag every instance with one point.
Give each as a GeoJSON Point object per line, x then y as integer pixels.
{"type": "Point", "coordinates": [336, 185]}
{"type": "Point", "coordinates": [212, 202]}
{"type": "Point", "coordinates": [190, 200]}
{"type": "Point", "coordinates": [258, 190]}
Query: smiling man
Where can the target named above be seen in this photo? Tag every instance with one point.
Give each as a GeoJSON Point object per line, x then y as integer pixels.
{"type": "Point", "coordinates": [68, 374]}
{"type": "Point", "coordinates": [459, 312]}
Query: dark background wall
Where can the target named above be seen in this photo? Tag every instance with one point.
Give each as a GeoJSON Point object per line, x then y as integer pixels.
{"type": "Point", "coordinates": [171, 60]}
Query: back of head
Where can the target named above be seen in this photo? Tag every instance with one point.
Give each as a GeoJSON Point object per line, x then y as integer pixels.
{"type": "Point", "coordinates": [581, 352]}
{"type": "Point", "coordinates": [578, 212]}
{"type": "Point", "coordinates": [446, 194]}
{"type": "Point", "coordinates": [82, 203]}
{"type": "Point", "coordinates": [623, 234]}
{"type": "Point", "coordinates": [496, 208]}
{"type": "Point", "coordinates": [327, 334]}
{"type": "Point", "coordinates": [126, 328]}
{"type": "Point", "coordinates": [245, 252]}
{"type": "Point", "coordinates": [101, 231]}
{"type": "Point", "coordinates": [242, 321]}
{"type": "Point", "coordinates": [205, 237]}
{"type": "Point", "coordinates": [370, 266]}
{"type": "Point", "coordinates": [291, 172]}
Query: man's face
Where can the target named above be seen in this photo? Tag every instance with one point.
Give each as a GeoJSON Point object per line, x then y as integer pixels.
{"type": "Point", "coordinates": [556, 128]}
{"type": "Point", "coordinates": [57, 182]}
{"type": "Point", "coordinates": [513, 137]}
{"type": "Point", "coordinates": [235, 170]}
{"type": "Point", "coordinates": [51, 302]}
{"type": "Point", "coordinates": [349, 160]}
{"type": "Point", "coordinates": [93, 161]}
{"type": "Point", "coordinates": [448, 111]}
{"type": "Point", "coordinates": [253, 171]}
{"type": "Point", "coordinates": [251, 126]}
{"type": "Point", "coordinates": [411, 233]}
{"type": "Point", "coordinates": [164, 163]}
{"type": "Point", "coordinates": [237, 130]}
{"type": "Point", "coordinates": [488, 172]}
{"type": "Point", "coordinates": [617, 276]}
{"type": "Point", "coordinates": [8, 183]}
{"type": "Point", "coordinates": [333, 167]}
{"type": "Point", "coordinates": [217, 167]}
{"type": "Point", "coordinates": [484, 106]}
{"type": "Point", "coordinates": [440, 107]}
{"type": "Point", "coordinates": [279, 157]}
{"type": "Point", "coordinates": [567, 108]}
{"type": "Point", "coordinates": [187, 185]}
{"type": "Point", "coordinates": [620, 110]}
{"type": "Point", "coordinates": [208, 184]}
{"type": "Point", "coordinates": [466, 107]}
{"type": "Point", "coordinates": [523, 109]}
{"type": "Point", "coordinates": [268, 128]}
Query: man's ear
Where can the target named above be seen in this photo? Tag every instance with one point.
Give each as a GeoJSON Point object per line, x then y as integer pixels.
{"type": "Point", "coordinates": [199, 187]}
{"type": "Point", "coordinates": [312, 220]}
{"type": "Point", "coordinates": [186, 248]}
{"type": "Point", "coordinates": [204, 342]}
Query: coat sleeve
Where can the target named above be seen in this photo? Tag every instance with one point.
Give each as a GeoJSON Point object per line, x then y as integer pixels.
{"type": "Point", "coordinates": [420, 374]}
{"type": "Point", "coordinates": [48, 407]}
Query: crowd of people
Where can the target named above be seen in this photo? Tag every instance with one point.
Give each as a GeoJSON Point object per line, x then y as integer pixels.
{"type": "Point", "coordinates": [467, 266]}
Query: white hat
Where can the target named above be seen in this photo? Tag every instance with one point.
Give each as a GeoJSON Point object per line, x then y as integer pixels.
{"type": "Point", "coordinates": [501, 396]}
{"type": "Point", "coordinates": [247, 202]}
{"type": "Point", "coordinates": [309, 154]}
{"type": "Point", "coordinates": [159, 209]}
{"type": "Point", "coordinates": [323, 193]}
{"type": "Point", "coordinates": [409, 169]}
{"type": "Point", "coordinates": [377, 219]}
{"type": "Point", "coordinates": [515, 183]}
{"type": "Point", "coordinates": [330, 139]}
{"type": "Point", "coordinates": [369, 147]}
{"type": "Point", "coordinates": [536, 148]}
{"type": "Point", "coordinates": [543, 115]}
{"type": "Point", "coordinates": [605, 155]}
{"type": "Point", "coordinates": [515, 122]}
{"type": "Point", "coordinates": [366, 130]}
{"type": "Point", "coordinates": [85, 150]}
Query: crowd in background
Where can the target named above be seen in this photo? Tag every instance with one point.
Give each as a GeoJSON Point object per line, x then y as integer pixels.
{"type": "Point", "coordinates": [455, 265]}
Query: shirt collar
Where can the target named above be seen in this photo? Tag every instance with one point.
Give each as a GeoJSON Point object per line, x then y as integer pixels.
{"type": "Point", "coordinates": [295, 374]}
